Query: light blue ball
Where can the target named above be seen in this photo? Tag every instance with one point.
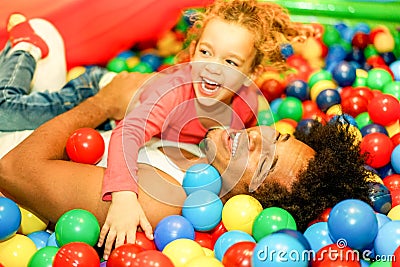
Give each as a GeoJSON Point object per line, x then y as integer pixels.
{"type": "Point", "coordinates": [227, 239]}
{"type": "Point", "coordinates": [52, 241]}
{"type": "Point", "coordinates": [317, 235]}
{"type": "Point", "coordinates": [39, 238]}
{"type": "Point", "coordinates": [395, 159]}
{"type": "Point", "coordinates": [202, 176]}
{"type": "Point", "coordinates": [203, 209]}
{"type": "Point", "coordinates": [280, 249]}
{"type": "Point", "coordinates": [388, 238]}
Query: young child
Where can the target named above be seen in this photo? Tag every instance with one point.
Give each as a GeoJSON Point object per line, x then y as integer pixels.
{"type": "Point", "coordinates": [229, 45]}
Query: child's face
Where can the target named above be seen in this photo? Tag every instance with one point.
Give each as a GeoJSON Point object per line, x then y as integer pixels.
{"type": "Point", "coordinates": [222, 60]}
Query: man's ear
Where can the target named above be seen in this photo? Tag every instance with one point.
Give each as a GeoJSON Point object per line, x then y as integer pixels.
{"type": "Point", "coordinates": [192, 48]}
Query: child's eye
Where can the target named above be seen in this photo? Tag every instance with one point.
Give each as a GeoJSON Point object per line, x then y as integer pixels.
{"type": "Point", "coordinates": [205, 52]}
{"type": "Point", "coordinates": [231, 62]}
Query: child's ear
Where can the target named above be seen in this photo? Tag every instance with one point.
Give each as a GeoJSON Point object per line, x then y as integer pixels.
{"type": "Point", "coordinates": [258, 70]}
{"type": "Point", "coordinates": [192, 48]}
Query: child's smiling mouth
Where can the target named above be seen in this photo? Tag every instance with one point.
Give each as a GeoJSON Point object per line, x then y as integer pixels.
{"type": "Point", "coordinates": [209, 87]}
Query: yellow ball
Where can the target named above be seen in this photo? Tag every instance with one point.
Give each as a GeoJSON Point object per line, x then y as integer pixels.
{"type": "Point", "coordinates": [239, 213]}
{"type": "Point", "coordinates": [320, 86]}
{"type": "Point", "coordinates": [384, 42]}
{"type": "Point", "coordinates": [262, 103]}
{"type": "Point", "coordinates": [132, 62]}
{"type": "Point", "coordinates": [393, 129]}
{"type": "Point", "coordinates": [30, 222]}
{"type": "Point", "coordinates": [208, 252]}
{"type": "Point", "coordinates": [394, 213]}
{"type": "Point", "coordinates": [284, 127]}
{"type": "Point", "coordinates": [335, 110]}
{"type": "Point", "coordinates": [361, 73]}
{"type": "Point", "coordinates": [203, 261]}
{"type": "Point", "coordinates": [374, 178]}
{"type": "Point", "coordinates": [181, 251]}
{"type": "Point", "coordinates": [75, 72]}
{"type": "Point", "coordinates": [17, 251]}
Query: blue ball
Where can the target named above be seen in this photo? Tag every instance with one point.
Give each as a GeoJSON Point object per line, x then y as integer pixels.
{"type": "Point", "coordinates": [327, 98]}
{"type": "Point", "coordinates": [395, 159]}
{"type": "Point", "coordinates": [153, 60]}
{"type": "Point", "coordinates": [274, 105]}
{"type": "Point", "coordinates": [388, 238]}
{"type": "Point", "coordinates": [203, 209]}
{"type": "Point", "coordinates": [279, 249]}
{"type": "Point", "coordinates": [298, 235]}
{"type": "Point", "coordinates": [202, 177]}
{"type": "Point", "coordinates": [298, 89]}
{"type": "Point", "coordinates": [52, 241]}
{"type": "Point", "coordinates": [373, 128]}
{"type": "Point", "coordinates": [344, 119]}
{"type": "Point", "coordinates": [382, 219]}
{"type": "Point", "coordinates": [385, 170]}
{"type": "Point", "coordinates": [380, 197]}
{"type": "Point", "coordinates": [10, 218]}
{"type": "Point", "coordinates": [286, 50]}
{"type": "Point", "coordinates": [227, 239]}
{"type": "Point", "coordinates": [354, 222]}
{"type": "Point", "coordinates": [395, 68]}
{"type": "Point", "coordinates": [317, 235]}
{"type": "Point", "coordinates": [39, 238]}
{"type": "Point", "coordinates": [305, 125]}
{"type": "Point", "coordinates": [344, 74]}
{"type": "Point", "coordinates": [171, 228]}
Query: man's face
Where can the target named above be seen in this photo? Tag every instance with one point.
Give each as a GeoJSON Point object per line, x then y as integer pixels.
{"type": "Point", "coordinates": [247, 158]}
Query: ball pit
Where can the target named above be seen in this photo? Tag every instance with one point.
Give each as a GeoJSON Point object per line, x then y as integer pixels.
{"type": "Point", "coordinates": [352, 69]}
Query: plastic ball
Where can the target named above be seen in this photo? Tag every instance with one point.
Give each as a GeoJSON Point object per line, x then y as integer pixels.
{"type": "Point", "coordinates": [217, 232]}
{"type": "Point", "coordinates": [396, 139]}
{"type": "Point", "coordinates": [151, 59]}
{"type": "Point", "coordinates": [226, 240]}
{"type": "Point", "coordinates": [204, 239]}
{"type": "Point", "coordinates": [392, 182]}
{"type": "Point", "coordinates": [124, 255]}
{"type": "Point", "coordinates": [181, 251]}
{"type": "Point", "coordinates": [354, 105]}
{"type": "Point", "coordinates": [171, 228]}
{"type": "Point", "coordinates": [203, 209]}
{"type": "Point", "coordinates": [10, 218]}
{"type": "Point", "coordinates": [388, 238]}
{"type": "Point", "coordinates": [152, 258]}
{"type": "Point", "coordinates": [117, 64]}
{"type": "Point", "coordinates": [239, 213]}
{"type": "Point", "coordinates": [344, 73]}
{"type": "Point", "coordinates": [395, 67]}
{"type": "Point", "coordinates": [363, 119]}
{"type": "Point", "coordinates": [311, 110]}
{"type": "Point", "coordinates": [334, 255]}
{"type": "Point", "coordinates": [30, 222]}
{"type": "Point", "coordinates": [204, 261]}
{"type": "Point", "coordinates": [142, 67]}
{"type": "Point", "coordinates": [291, 107]}
{"type": "Point", "coordinates": [265, 117]}
{"type": "Point", "coordinates": [284, 127]}
{"type": "Point", "coordinates": [384, 109]}
{"type": "Point", "coordinates": [44, 257]}
{"type": "Point", "coordinates": [321, 86]}
{"type": "Point", "coordinates": [378, 147]}
{"type": "Point", "coordinates": [271, 220]}
{"type": "Point", "coordinates": [239, 254]}
{"type": "Point", "coordinates": [384, 42]}
{"type": "Point", "coordinates": [17, 251]}
{"type": "Point", "coordinates": [52, 241]}
{"type": "Point", "coordinates": [143, 242]}
{"type": "Point", "coordinates": [202, 176]}
{"type": "Point", "coordinates": [85, 145]}
{"type": "Point", "coordinates": [306, 125]}
{"type": "Point", "coordinates": [353, 221]}
{"type": "Point", "coordinates": [360, 40]}
{"type": "Point", "coordinates": [75, 72]}
{"type": "Point", "coordinates": [318, 236]}
{"type": "Point", "coordinates": [395, 159]}
{"type": "Point", "coordinates": [373, 128]}
{"type": "Point", "coordinates": [77, 225]}
{"type": "Point", "coordinates": [394, 213]}
{"type": "Point", "coordinates": [299, 89]}
{"type": "Point", "coordinates": [76, 254]}
{"type": "Point", "coordinates": [286, 50]}
{"type": "Point", "coordinates": [328, 98]}
{"type": "Point", "coordinates": [272, 89]}
{"type": "Point", "coordinates": [380, 197]}
{"type": "Point", "coordinates": [289, 249]}
{"type": "Point", "coordinates": [39, 238]}
{"type": "Point", "coordinates": [392, 88]}
{"type": "Point", "coordinates": [378, 78]}
{"type": "Point", "coordinates": [298, 236]}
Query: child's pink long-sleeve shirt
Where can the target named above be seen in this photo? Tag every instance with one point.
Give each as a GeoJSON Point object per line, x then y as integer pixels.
{"type": "Point", "coordinates": [167, 111]}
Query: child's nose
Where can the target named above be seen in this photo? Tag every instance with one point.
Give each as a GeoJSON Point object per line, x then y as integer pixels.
{"type": "Point", "coordinates": [214, 68]}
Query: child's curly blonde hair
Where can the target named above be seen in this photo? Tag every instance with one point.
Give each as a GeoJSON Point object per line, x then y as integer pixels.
{"type": "Point", "coordinates": [269, 22]}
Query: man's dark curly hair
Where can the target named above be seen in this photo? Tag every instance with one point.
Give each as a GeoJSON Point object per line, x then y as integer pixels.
{"type": "Point", "coordinates": [336, 173]}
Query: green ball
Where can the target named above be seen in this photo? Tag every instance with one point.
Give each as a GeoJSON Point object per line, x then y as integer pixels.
{"type": "Point", "coordinates": [392, 88]}
{"type": "Point", "coordinates": [142, 67]}
{"type": "Point", "coordinates": [360, 81]}
{"type": "Point", "coordinates": [331, 35]}
{"type": "Point", "coordinates": [363, 119]}
{"type": "Point", "coordinates": [77, 225]}
{"type": "Point", "coordinates": [170, 60]}
{"type": "Point", "coordinates": [266, 117]}
{"type": "Point", "coordinates": [381, 264]}
{"type": "Point", "coordinates": [117, 65]}
{"type": "Point", "coordinates": [320, 75]}
{"type": "Point", "coordinates": [378, 78]}
{"type": "Point", "coordinates": [290, 108]}
{"type": "Point", "coordinates": [370, 51]}
{"type": "Point", "coordinates": [44, 257]}
{"type": "Point", "coordinates": [270, 220]}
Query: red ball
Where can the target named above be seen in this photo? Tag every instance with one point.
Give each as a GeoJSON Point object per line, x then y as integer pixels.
{"type": "Point", "coordinates": [360, 40]}
{"type": "Point", "coordinates": [395, 194]}
{"type": "Point", "coordinates": [239, 254]}
{"type": "Point", "coordinates": [364, 92]}
{"type": "Point", "coordinates": [392, 182]}
{"type": "Point", "coordinates": [354, 105]}
{"type": "Point", "coordinates": [151, 258]}
{"type": "Point", "coordinates": [204, 239]}
{"type": "Point", "coordinates": [217, 232]}
{"type": "Point", "coordinates": [272, 89]}
{"type": "Point", "coordinates": [311, 110]}
{"type": "Point", "coordinates": [396, 258]}
{"type": "Point", "coordinates": [143, 242]}
{"type": "Point", "coordinates": [76, 254]}
{"type": "Point", "coordinates": [378, 148]}
{"type": "Point", "coordinates": [124, 256]}
{"type": "Point", "coordinates": [85, 145]}
{"type": "Point", "coordinates": [396, 139]}
{"type": "Point", "coordinates": [384, 109]}
{"type": "Point", "coordinates": [334, 255]}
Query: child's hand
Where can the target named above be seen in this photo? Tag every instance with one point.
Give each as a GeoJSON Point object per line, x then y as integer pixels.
{"type": "Point", "coordinates": [124, 216]}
